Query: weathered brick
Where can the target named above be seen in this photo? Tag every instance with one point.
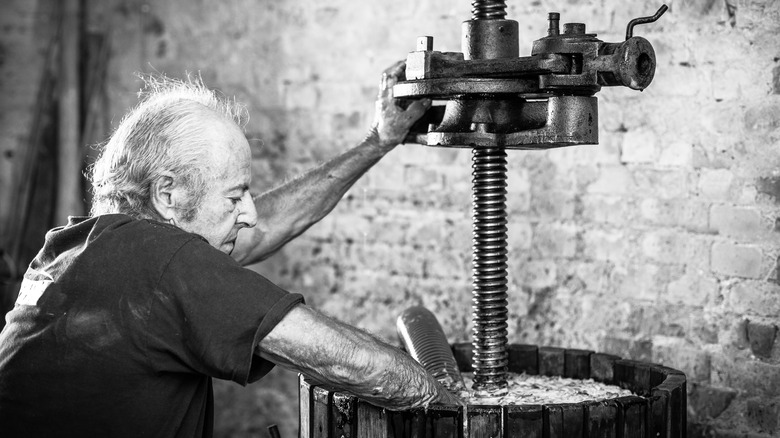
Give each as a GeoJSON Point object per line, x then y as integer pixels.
{"type": "Point", "coordinates": [517, 179]}
{"type": "Point", "coordinates": [419, 177]}
{"type": "Point", "coordinates": [736, 260]}
{"type": "Point", "coordinates": [752, 376]}
{"type": "Point", "coordinates": [605, 244]}
{"type": "Point", "coordinates": [424, 230]}
{"type": "Point", "coordinates": [676, 154]}
{"type": "Point", "coordinates": [739, 222]}
{"type": "Point", "coordinates": [448, 264]}
{"type": "Point", "coordinates": [765, 416]}
{"type": "Point", "coordinates": [639, 146]}
{"type": "Point", "coordinates": [555, 240]}
{"type": "Point", "coordinates": [707, 402]}
{"type": "Point", "coordinates": [762, 338]}
{"type": "Point", "coordinates": [388, 178]}
{"type": "Point", "coordinates": [613, 180]}
{"type": "Point", "coordinates": [675, 212]}
{"type": "Point", "coordinates": [393, 230]}
{"type": "Point", "coordinates": [660, 319]}
{"type": "Point", "coordinates": [520, 236]}
{"type": "Point", "coordinates": [664, 184]}
{"type": "Point", "coordinates": [628, 348]}
{"type": "Point", "coordinates": [679, 354]}
{"type": "Point", "coordinates": [716, 184]}
{"type": "Point", "coordinates": [609, 209]}
{"type": "Point", "coordinates": [682, 82]}
{"type": "Point", "coordinates": [695, 288]}
{"type": "Point", "coordinates": [727, 84]}
{"type": "Point", "coordinates": [535, 274]}
{"type": "Point", "coordinates": [703, 328]}
{"type": "Point", "coordinates": [552, 205]}
{"type": "Point", "coordinates": [770, 186]}
{"type": "Point", "coordinates": [760, 116]}
{"type": "Point", "coordinates": [754, 297]}
{"type": "Point", "coordinates": [642, 282]}
{"type": "Point", "coordinates": [668, 246]}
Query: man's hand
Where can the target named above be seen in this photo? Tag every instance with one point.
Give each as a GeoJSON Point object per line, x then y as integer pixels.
{"type": "Point", "coordinates": [391, 122]}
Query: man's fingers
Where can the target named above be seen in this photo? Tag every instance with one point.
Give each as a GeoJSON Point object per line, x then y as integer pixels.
{"type": "Point", "coordinates": [396, 69]}
{"type": "Point", "coordinates": [447, 398]}
{"type": "Point", "coordinates": [390, 77]}
{"type": "Point", "coordinates": [417, 108]}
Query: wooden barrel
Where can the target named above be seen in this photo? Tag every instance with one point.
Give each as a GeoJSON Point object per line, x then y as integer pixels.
{"type": "Point", "coordinates": [657, 410]}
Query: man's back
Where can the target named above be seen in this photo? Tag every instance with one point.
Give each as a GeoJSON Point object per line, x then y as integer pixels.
{"type": "Point", "coordinates": [119, 325]}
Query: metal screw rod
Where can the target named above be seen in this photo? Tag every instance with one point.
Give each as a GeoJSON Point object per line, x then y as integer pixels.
{"type": "Point", "coordinates": [488, 9]}
{"type": "Point", "coordinates": [489, 301]}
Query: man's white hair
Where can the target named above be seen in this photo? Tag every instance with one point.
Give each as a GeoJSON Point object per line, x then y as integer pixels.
{"type": "Point", "coordinates": [162, 134]}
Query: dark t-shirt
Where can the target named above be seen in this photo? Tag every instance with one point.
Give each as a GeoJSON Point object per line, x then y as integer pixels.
{"type": "Point", "coordinates": [120, 325]}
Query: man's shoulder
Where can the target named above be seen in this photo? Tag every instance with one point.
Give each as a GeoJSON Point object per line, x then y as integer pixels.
{"type": "Point", "coordinates": [140, 233]}
{"type": "Point", "coordinates": [117, 236]}
{"type": "Point", "coordinates": [114, 245]}
{"type": "Point", "coordinates": [124, 224]}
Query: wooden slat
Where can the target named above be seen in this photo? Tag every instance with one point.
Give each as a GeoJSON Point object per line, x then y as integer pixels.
{"type": "Point", "coordinates": [601, 419]}
{"type": "Point", "coordinates": [320, 418]}
{"type": "Point", "coordinates": [642, 378]}
{"type": "Point", "coordinates": [574, 420]}
{"type": "Point", "coordinates": [632, 417]}
{"type": "Point", "coordinates": [674, 387]}
{"type": "Point", "coordinates": [602, 367]}
{"type": "Point", "coordinates": [524, 421]}
{"type": "Point", "coordinates": [343, 414]}
{"type": "Point", "coordinates": [564, 420]}
{"type": "Point", "coordinates": [305, 406]}
{"type": "Point", "coordinates": [657, 418]}
{"type": "Point", "coordinates": [406, 424]}
{"type": "Point", "coordinates": [576, 363]}
{"type": "Point", "coordinates": [371, 421]}
{"type": "Point", "coordinates": [68, 199]}
{"type": "Point", "coordinates": [551, 361]}
{"type": "Point", "coordinates": [484, 421]}
{"type": "Point", "coordinates": [624, 373]}
{"type": "Point", "coordinates": [444, 422]}
{"type": "Point", "coordinates": [553, 422]}
{"type": "Point", "coordinates": [659, 373]}
{"type": "Point", "coordinates": [524, 359]}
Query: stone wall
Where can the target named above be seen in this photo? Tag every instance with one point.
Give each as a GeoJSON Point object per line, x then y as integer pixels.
{"type": "Point", "coordinates": [661, 243]}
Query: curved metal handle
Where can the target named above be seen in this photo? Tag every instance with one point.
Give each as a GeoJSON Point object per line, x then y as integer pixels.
{"type": "Point", "coordinates": [424, 339]}
{"type": "Point", "coordinates": [644, 20]}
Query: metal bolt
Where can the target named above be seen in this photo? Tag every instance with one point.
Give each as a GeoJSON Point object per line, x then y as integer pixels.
{"type": "Point", "coordinates": [425, 44]}
{"type": "Point", "coordinates": [574, 29]}
{"type": "Point", "coordinates": [553, 18]}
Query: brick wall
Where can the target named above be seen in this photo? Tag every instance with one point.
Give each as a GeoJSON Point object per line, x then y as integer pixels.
{"type": "Point", "coordinates": [659, 244]}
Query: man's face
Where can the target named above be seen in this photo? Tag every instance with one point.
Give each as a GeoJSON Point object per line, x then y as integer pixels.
{"type": "Point", "coordinates": [226, 206]}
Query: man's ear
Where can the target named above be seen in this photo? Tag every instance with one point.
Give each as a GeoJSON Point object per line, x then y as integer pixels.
{"type": "Point", "coordinates": [165, 197]}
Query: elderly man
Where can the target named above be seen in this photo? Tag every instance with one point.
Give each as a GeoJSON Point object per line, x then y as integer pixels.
{"type": "Point", "coordinates": [124, 317]}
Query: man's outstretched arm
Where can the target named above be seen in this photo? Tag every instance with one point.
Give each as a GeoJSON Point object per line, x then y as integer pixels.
{"type": "Point", "coordinates": [351, 360]}
{"type": "Point", "coordinates": [290, 209]}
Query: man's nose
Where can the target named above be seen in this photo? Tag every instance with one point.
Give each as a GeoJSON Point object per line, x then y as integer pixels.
{"type": "Point", "coordinates": [248, 215]}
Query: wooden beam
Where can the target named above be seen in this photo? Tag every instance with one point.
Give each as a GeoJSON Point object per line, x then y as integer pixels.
{"type": "Point", "coordinates": [69, 151]}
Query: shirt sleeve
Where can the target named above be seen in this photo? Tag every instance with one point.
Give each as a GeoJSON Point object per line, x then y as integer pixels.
{"type": "Point", "coordinates": [210, 313]}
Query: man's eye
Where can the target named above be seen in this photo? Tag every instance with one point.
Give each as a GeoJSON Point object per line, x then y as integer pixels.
{"type": "Point", "coordinates": [235, 200]}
